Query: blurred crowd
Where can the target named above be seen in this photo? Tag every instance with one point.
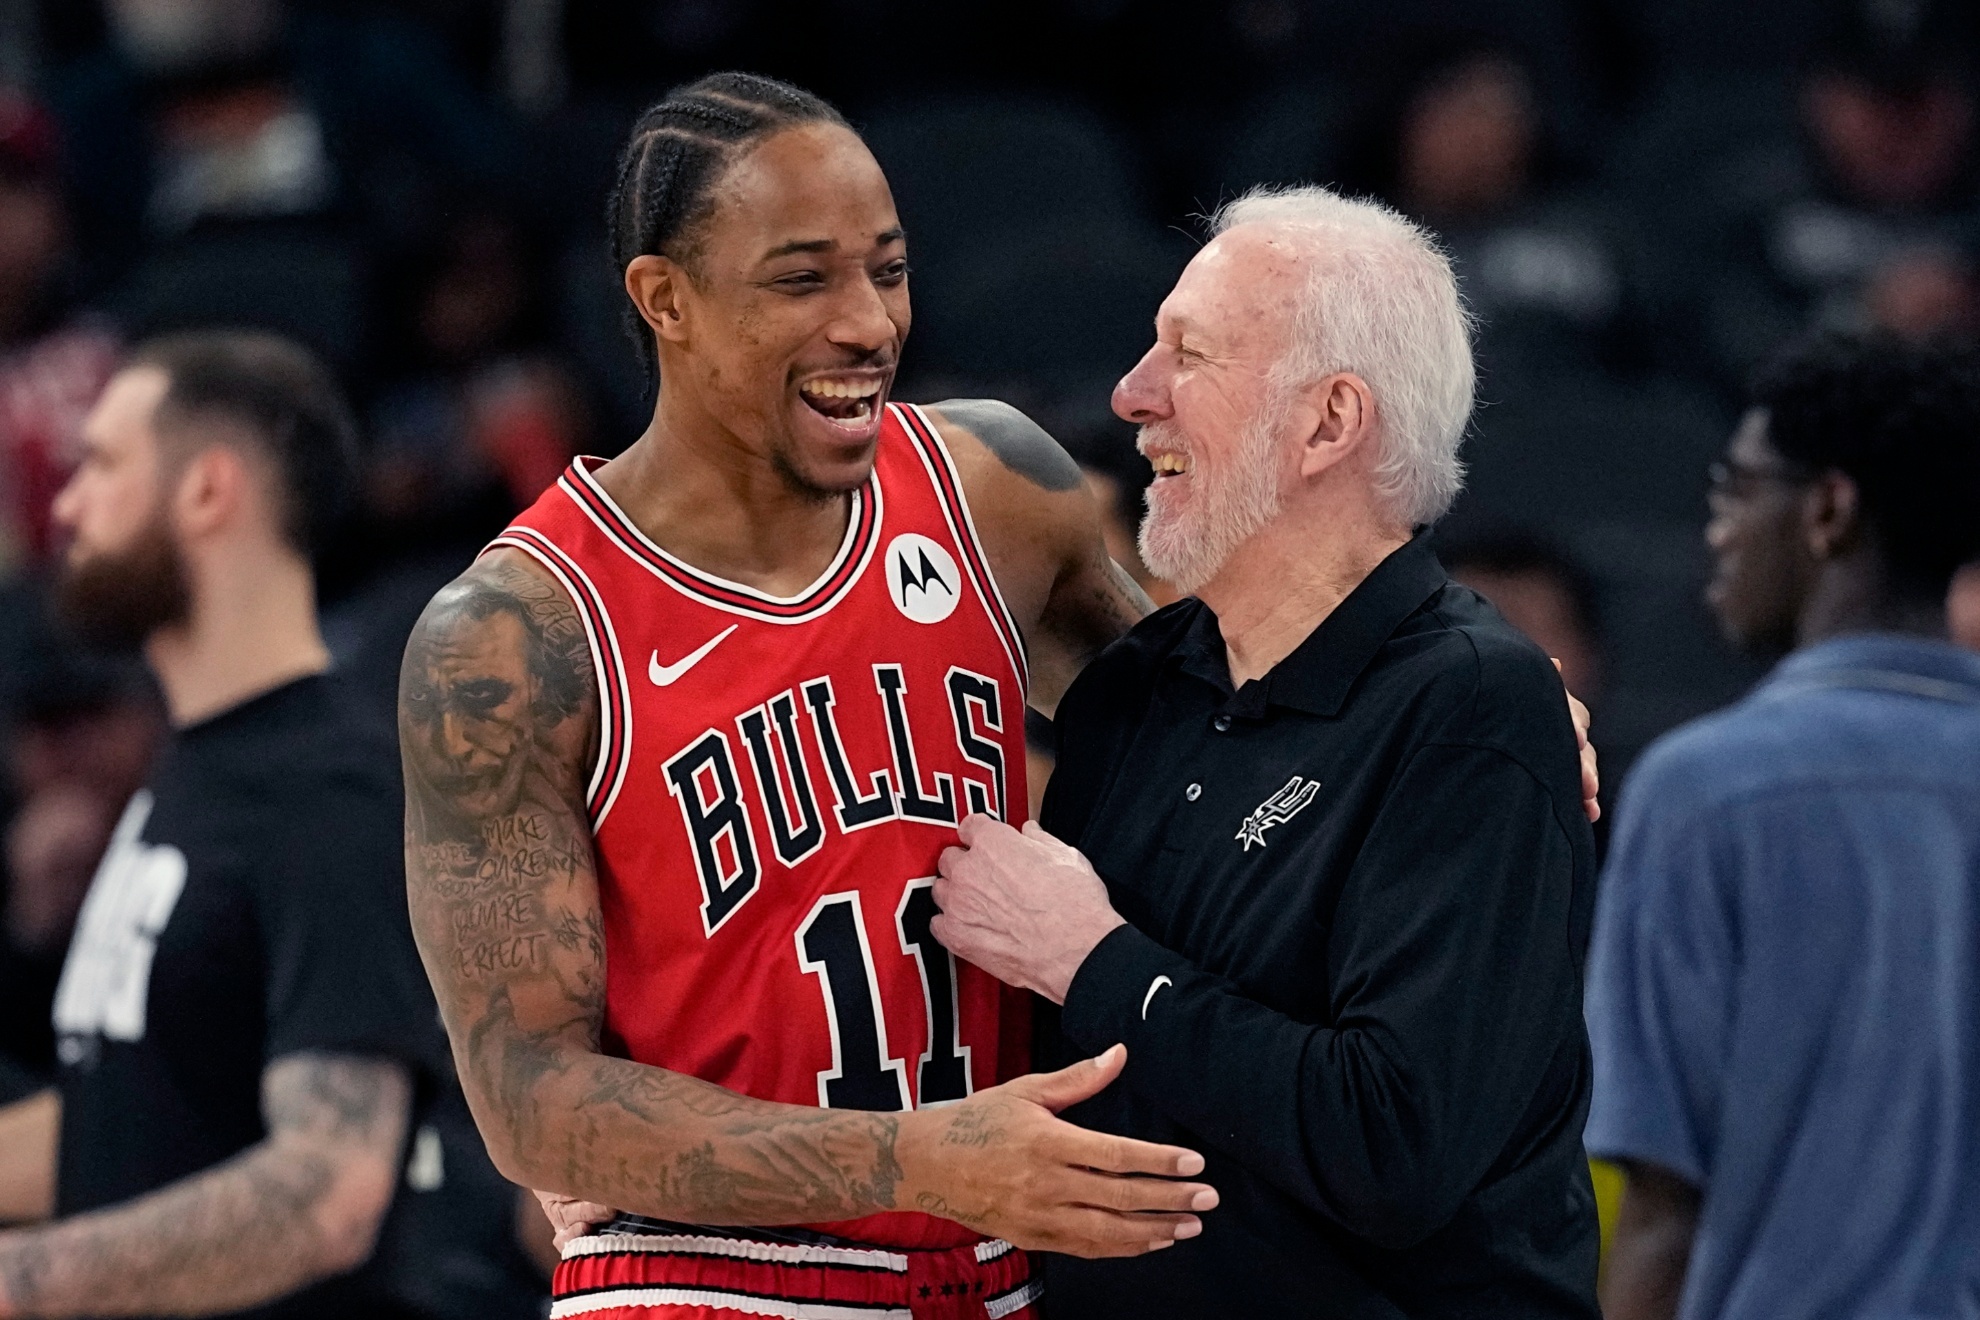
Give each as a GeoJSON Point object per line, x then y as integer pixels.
{"type": "Point", "coordinates": [1643, 198]}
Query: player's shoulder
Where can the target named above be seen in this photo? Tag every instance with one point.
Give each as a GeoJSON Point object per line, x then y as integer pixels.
{"type": "Point", "coordinates": [505, 621]}
{"type": "Point", "coordinates": [502, 573]}
{"type": "Point", "coordinates": [991, 428]}
{"type": "Point", "coordinates": [1027, 497]}
{"type": "Point", "coordinates": [505, 601]}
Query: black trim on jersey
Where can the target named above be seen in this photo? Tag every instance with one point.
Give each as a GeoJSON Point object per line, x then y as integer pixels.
{"type": "Point", "coordinates": [847, 566]}
{"type": "Point", "coordinates": [608, 773]}
{"type": "Point", "coordinates": [954, 502]}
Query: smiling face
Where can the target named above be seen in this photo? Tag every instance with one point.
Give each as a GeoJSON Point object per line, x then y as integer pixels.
{"type": "Point", "coordinates": [1211, 416]}
{"type": "Point", "coordinates": [791, 322]}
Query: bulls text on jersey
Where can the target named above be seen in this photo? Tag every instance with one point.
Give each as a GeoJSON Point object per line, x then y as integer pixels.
{"type": "Point", "coordinates": [728, 824]}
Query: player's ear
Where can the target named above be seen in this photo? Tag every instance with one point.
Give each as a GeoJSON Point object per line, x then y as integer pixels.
{"type": "Point", "coordinates": [657, 286]}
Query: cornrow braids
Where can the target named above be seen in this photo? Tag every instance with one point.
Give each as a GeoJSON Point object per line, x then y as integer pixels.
{"type": "Point", "coordinates": [679, 149]}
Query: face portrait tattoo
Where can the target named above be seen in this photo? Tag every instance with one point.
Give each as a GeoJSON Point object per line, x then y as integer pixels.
{"type": "Point", "coordinates": [481, 688]}
{"type": "Point", "coordinates": [472, 697]}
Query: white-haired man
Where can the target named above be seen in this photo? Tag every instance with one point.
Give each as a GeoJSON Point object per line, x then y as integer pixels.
{"type": "Point", "coordinates": [1324, 865]}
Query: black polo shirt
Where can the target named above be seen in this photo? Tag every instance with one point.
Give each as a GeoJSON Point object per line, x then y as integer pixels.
{"type": "Point", "coordinates": [1358, 894]}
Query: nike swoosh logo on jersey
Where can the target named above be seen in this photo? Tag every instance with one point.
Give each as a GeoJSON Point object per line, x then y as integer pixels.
{"type": "Point", "coordinates": [1149, 998]}
{"type": "Point", "coordinates": [662, 675]}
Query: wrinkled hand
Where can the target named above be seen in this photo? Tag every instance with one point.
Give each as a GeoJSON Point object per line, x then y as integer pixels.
{"type": "Point", "coordinates": [1025, 908]}
{"type": "Point", "coordinates": [1591, 781]}
{"type": "Point", "coordinates": [1002, 1164]}
{"type": "Point", "coordinates": [571, 1218]}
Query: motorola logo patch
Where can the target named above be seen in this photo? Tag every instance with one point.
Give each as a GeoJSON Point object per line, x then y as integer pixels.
{"type": "Point", "coordinates": [922, 578]}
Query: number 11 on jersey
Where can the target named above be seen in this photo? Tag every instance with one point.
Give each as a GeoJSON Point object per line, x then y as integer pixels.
{"type": "Point", "coordinates": [832, 945]}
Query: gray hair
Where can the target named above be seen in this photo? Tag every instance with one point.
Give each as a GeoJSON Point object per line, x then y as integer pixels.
{"type": "Point", "coordinates": [1381, 302]}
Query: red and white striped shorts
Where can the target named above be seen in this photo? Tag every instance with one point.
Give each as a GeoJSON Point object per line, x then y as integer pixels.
{"type": "Point", "coordinates": [677, 1272]}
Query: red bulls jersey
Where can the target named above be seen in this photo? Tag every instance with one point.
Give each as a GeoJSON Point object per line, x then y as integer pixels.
{"type": "Point", "coordinates": [775, 780]}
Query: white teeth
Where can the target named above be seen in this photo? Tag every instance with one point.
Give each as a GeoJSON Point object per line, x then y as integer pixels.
{"type": "Point", "coordinates": [1168, 464]}
{"type": "Point", "coordinates": [841, 389]}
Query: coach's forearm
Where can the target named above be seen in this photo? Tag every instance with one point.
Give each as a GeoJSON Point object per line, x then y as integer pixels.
{"type": "Point", "coordinates": [302, 1205]}
{"type": "Point", "coordinates": [1338, 1121]}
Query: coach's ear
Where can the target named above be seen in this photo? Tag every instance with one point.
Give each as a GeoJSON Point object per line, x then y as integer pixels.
{"type": "Point", "coordinates": [1335, 416]}
{"type": "Point", "coordinates": [657, 286]}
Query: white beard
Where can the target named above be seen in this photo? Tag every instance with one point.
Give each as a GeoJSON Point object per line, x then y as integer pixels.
{"type": "Point", "coordinates": [1190, 532]}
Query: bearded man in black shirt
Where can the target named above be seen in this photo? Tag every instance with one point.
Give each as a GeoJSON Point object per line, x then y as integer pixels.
{"type": "Point", "coordinates": [1321, 859]}
{"type": "Point", "coordinates": [242, 1023]}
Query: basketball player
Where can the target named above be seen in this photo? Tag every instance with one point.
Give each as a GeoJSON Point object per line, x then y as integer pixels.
{"type": "Point", "coordinates": [716, 707]}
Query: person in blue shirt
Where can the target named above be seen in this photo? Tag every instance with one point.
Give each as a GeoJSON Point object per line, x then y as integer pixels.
{"type": "Point", "coordinates": [1784, 985]}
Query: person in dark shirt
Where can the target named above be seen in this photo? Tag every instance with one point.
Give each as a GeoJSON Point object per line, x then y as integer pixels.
{"type": "Point", "coordinates": [1325, 868]}
{"type": "Point", "coordinates": [242, 1025]}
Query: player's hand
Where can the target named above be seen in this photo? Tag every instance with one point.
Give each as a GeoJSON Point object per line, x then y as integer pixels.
{"type": "Point", "coordinates": [570, 1218]}
{"type": "Point", "coordinates": [1591, 781]}
{"type": "Point", "coordinates": [1002, 1164]}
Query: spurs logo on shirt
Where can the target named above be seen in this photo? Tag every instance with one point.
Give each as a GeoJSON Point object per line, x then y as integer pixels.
{"type": "Point", "coordinates": [1281, 807]}
{"type": "Point", "coordinates": [776, 779]}
{"type": "Point", "coordinates": [106, 979]}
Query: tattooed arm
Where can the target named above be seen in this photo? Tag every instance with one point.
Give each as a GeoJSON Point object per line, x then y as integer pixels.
{"type": "Point", "coordinates": [301, 1205]}
{"type": "Point", "coordinates": [1041, 529]}
{"type": "Point", "coordinates": [498, 720]}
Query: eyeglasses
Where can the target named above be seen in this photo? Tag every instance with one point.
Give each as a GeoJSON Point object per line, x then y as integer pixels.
{"type": "Point", "coordinates": [1732, 483]}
